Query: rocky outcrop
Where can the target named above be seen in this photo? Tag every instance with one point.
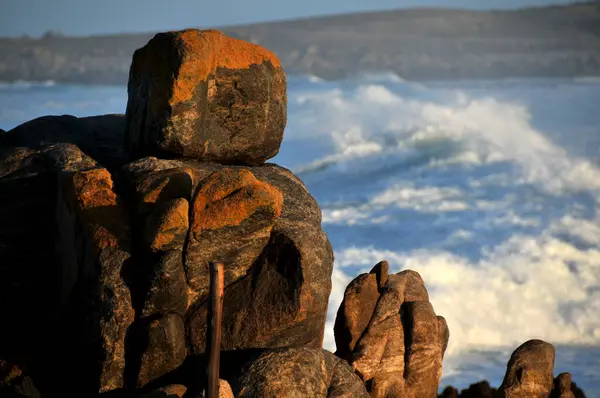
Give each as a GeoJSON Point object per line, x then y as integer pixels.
{"type": "Point", "coordinates": [529, 371]}
{"type": "Point", "coordinates": [528, 374]}
{"type": "Point", "coordinates": [109, 256]}
{"type": "Point", "coordinates": [301, 372]}
{"type": "Point", "coordinates": [203, 95]}
{"type": "Point", "coordinates": [268, 231]}
{"type": "Point", "coordinates": [100, 137]}
{"type": "Point", "coordinates": [387, 330]}
{"type": "Point", "coordinates": [96, 239]}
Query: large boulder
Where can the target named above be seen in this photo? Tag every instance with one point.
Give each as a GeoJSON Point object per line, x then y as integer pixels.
{"type": "Point", "coordinates": [100, 137]}
{"type": "Point", "coordinates": [529, 371]}
{"type": "Point", "coordinates": [299, 372]}
{"type": "Point", "coordinates": [202, 95]}
{"type": "Point", "coordinates": [95, 241]}
{"type": "Point", "coordinates": [392, 339]}
{"type": "Point", "coordinates": [232, 218]}
{"type": "Point", "coordinates": [67, 243]}
{"type": "Point", "coordinates": [265, 225]}
{"type": "Point", "coordinates": [30, 274]}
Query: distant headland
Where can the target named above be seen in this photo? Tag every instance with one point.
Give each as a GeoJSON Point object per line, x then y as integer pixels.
{"type": "Point", "coordinates": [417, 44]}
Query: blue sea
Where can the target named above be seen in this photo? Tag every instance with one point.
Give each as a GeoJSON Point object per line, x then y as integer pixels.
{"type": "Point", "coordinates": [489, 189]}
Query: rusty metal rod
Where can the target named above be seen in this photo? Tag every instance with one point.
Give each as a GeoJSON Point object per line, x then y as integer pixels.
{"type": "Point", "coordinates": [213, 330]}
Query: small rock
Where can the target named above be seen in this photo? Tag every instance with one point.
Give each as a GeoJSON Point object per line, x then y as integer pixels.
{"type": "Point", "coordinates": [146, 190]}
{"type": "Point", "coordinates": [202, 95]}
{"type": "Point", "coordinates": [562, 386]}
{"type": "Point", "coordinates": [481, 389]}
{"type": "Point", "coordinates": [449, 392]}
{"type": "Point", "coordinates": [224, 390]}
{"type": "Point", "coordinates": [299, 372]}
{"type": "Point", "coordinates": [167, 226]}
{"type": "Point", "coordinates": [529, 371]}
{"type": "Point", "coordinates": [170, 391]}
{"type": "Point", "coordinates": [167, 287]}
{"type": "Point", "coordinates": [165, 348]}
{"type": "Point", "coordinates": [15, 382]}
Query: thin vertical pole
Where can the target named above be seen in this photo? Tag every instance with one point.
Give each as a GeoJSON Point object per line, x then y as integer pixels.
{"type": "Point", "coordinates": [215, 314]}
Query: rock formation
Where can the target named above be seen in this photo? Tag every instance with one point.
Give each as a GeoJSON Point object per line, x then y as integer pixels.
{"type": "Point", "coordinates": [108, 225]}
{"type": "Point", "coordinates": [388, 332]}
{"type": "Point", "coordinates": [203, 95]}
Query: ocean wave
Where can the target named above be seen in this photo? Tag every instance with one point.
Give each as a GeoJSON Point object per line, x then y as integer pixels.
{"type": "Point", "coordinates": [371, 120]}
{"type": "Point", "coordinates": [527, 286]}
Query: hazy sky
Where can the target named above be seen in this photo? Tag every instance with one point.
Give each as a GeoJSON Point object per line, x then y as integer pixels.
{"type": "Point", "coordinates": [85, 17]}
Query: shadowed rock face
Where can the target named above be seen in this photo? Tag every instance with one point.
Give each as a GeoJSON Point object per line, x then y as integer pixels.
{"type": "Point", "coordinates": [202, 95]}
{"type": "Point", "coordinates": [300, 372]}
{"type": "Point", "coordinates": [164, 348]}
{"type": "Point", "coordinates": [237, 212]}
{"type": "Point", "coordinates": [98, 228]}
{"type": "Point", "coordinates": [562, 386]}
{"type": "Point", "coordinates": [529, 371]}
{"type": "Point", "coordinates": [15, 382]}
{"type": "Point", "coordinates": [100, 137]}
{"type": "Point", "coordinates": [398, 350]}
{"type": "Point", "coordinates": [278, 285]}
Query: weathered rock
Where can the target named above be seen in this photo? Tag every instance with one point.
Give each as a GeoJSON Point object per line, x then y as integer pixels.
{"type": "Point", "coordinates": [232, 217]}
{"type": "Point", "coordinates": [562, 386]}
{"type": "Point", "coordinates": [360, 299]}
{"type": "Point", "coordinates": [95, 240]}
{"type": "Point", "coordinates": [281, 299]}
{"type": "Point", "coordinates": [481, 389]}
{"type": "Point", "coordinates": [100, 137]}
{"type": "Point", "coordinates": [167, 226]}
{"type": "Point", "coordinates": [225, 390]}
{"type": "Point", "coordinates": [167, 289]}
{"type": "Point", "coordinates": [578, 392]}
{"type": "Point", "coordinates": [202, 95]}
{"type": "Point", "coordinates": [165, 348]}
{"type": "Point", "coordinates": [170, 391]}
{"type": "Point", "coordinates": [529, 371]}
{"type": "Point", "coordinates": [399, 352]}
{"type": "Point", "coordinates": [31, 274]}
{"type": "Point", "coordinates": [449, 392]}
{"type": "Point", "coordinates": [15, 382]}
{"type": "Point", "coordinates": [299, 372]}
{"type": "Point", "coordinates": [145, 190]}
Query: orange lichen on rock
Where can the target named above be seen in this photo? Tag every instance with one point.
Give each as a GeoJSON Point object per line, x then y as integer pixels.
{"type": "Point", "coordinates": [202, 95]}
{"type": "Point", "coordinates": [97, 204]}
{"type": "Point", "coordinates": [230, 197]}
{"type": "Point", "coordinates": [208, 50]}
{"type": "Point", "coordinates": [165, 185]}
{"type": "Point", "coordinates": [168, 225]}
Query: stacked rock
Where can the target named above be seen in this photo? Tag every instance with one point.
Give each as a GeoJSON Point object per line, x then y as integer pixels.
{"type": "Point", "coordinates": [133, 241]}
{"type": "Point", "coordinates": [125, 212]}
